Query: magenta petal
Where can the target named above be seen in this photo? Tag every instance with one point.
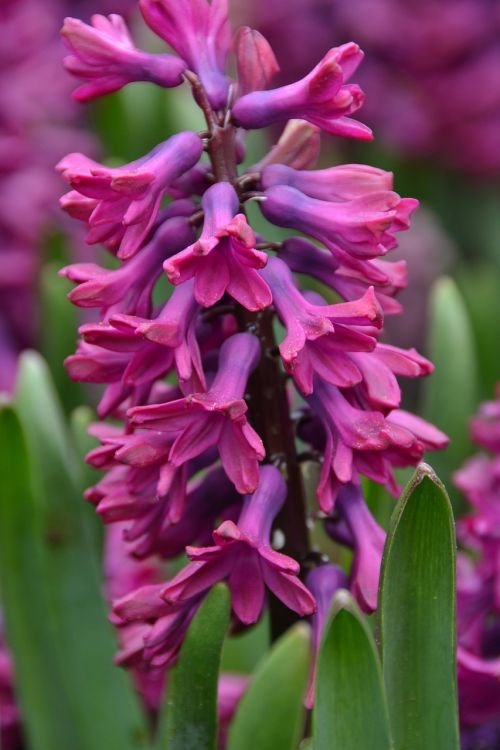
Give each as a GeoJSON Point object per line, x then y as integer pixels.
{"type": "Point", "coordinates": [247, 586]}
{"type": "Point", "coordinates": [290, 590]}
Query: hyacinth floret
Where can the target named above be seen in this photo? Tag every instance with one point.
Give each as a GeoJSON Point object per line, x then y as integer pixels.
{"type": "Point", "coordinates": [212, 387]}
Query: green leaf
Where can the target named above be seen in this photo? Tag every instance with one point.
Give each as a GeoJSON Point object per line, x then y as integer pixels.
{"type": "Point", "coordinates": [450, 394]}
{"type": "Point", "coordinates": [417, 618]}
{"type": "Point", "coordinates": [350, 707]}
{"type": "Point", "coordinates": [103, 706]}
{"type": "Point", "coordinates": [190, 711]}
{"type": "Point", "coordinates": [271, 714]}
{"type": "Point", "coordinates": [40, 683]}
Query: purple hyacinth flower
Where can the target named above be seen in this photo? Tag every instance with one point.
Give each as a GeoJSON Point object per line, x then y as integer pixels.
{"type": "Point", "coordinates": [386, 278]}
{"type": "Point", "coordinates": [322, 98]}
{"type": "Point", "coordinates": [129, 288]}
{"type": "Point", "coordinates": [367, 539]}
{"type": "Point", "coordinates": [242, 554]}
{"type": "Point", "coordinates": [160, 630]}
{"type": "Point", "coordinates": [129, 197]}
{"type": "Point", "coordinates": [199, 32]}
{"type": "Point", "coordinates": [175, 328]}
{"type": "Point", "coordinates": [224, 258]}
{"type": "Point", "coordinates": [358, 229]}
{"type": "Point", "coordinates": [323, 582]}
{"type": "Point", "coordinates": [485, 426]}
{"type": "Point", "coordinates": [215, 418]}
{"type": "Point", "coordinates": [363, 441]}
{"type": "Point", "coordinates": [104, 56]}
{"type": "Point", "coordinates": [320, 338]}
{"type": "Point", "coordinates": [337, 184]}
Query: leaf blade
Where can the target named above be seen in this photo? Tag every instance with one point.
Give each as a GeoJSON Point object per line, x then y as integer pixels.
{"type": "Point", "coordinates": [451, 348]}
{"type": "Point", "coordinates": [417, 618]}
{"type": "Point", "coordinates": [108, 715]}
{"type": "Point", "coordinates": [45, 706]}
{"type": "Point", "coordinates": [263, 718]}
{"type": "Point", "coordinates": [190, 709]}
{"type": "Point", "coordinates": [350, 706]}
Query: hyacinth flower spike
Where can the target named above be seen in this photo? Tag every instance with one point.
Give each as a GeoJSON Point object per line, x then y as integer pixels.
{"type": "Point", "coordinates": [186, 457]}
{"type": "Point", "coordinates": [216, 417]}
{"type": "Point", "coordinates": [242, 554]}
{"type": "Point", "coordinates": [104, 56]}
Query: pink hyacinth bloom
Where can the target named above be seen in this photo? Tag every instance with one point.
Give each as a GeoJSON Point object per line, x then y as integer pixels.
{"type": "Point", "coordinates": [224, 258]}
{"type": "Point", "coordinates": [361, 441]}
{"type": "Point", "coordinates": [386, 278]}
{"type": "Point", "coordinates": [361, 228]}
{"type": "Point", "coordinates": [129, 197]}
{"type": "Point", "coordinates": [175, 328]}
{"type": "Point", "coordinates": [131, 374]}
{"type": "Point", "coordinates": [323, 583]}
{"type": "Point", "coordinates": [104, 56]}
{"type": "Point", "coordinates": [215, 418]}
{"type": "Point", "coordinates": [129, 288]}
{"type": "Point", "coordinates": [199, 31]}
{"type": "Point", "coordinates": [160, 628]}
{"type": "Point", "coordinates": [124, 574]}
{"type": "Point", "coordinates": [367, 539]}
{"type": "Point", "coordinates": [379, 387]}
{"type": "Point", "coordinates": [322, 98]}
{"type": "Point", "coordinates": [242, 554]}
{"type": "Point", "coordinates": [337, 184]}
{"type": "Point", "coordinates": [255, 60]}
{"type": "Point", "coordinates": [485, 426]}
{"type": "Point", "coordinates": [320, 338]}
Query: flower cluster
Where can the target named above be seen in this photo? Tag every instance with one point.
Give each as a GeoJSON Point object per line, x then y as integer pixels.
{"type": "Point", "coordinates": [479, 577]}
{"type": "Point", "coordinates": [212, 387]}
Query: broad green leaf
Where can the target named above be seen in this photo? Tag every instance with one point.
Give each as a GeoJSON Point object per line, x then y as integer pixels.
{"type": "Point", "coordinates": [190, 711]}
{"type": "Point", "coordinates": [450, 393]}
{"type": "Point", "coordinates": [417, 618]}
{"type": "Point", "coordinates": [350, 710]}
{"type": "Point", "coordinates": [103, 706]}
{"type": "Point", "coordinates": [40, 679]}
{"type": "Point", "coordinates": [271, 714]}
